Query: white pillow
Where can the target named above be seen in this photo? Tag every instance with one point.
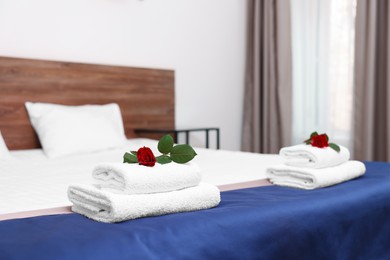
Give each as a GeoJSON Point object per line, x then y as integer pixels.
{"type": "Point", "coordinates": [67, 130]}
{"type": "Point", "coordinates": [4, 152]}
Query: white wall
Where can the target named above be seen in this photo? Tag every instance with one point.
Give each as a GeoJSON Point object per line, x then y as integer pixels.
{"type": "Point", "coordinates": [202, 40]}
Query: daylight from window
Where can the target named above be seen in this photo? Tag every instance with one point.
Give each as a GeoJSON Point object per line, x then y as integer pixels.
{"type": "Point", "coordinates": [341, 53]}
{"type": "Point", "coordinates": [323, 51]}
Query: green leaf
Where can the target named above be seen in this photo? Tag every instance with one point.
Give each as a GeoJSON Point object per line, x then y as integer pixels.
{"type": "Point", "coordinates": [313, 134]}
{"type": "Point", "coordinates": [134, 152]}
{"type": "Point", "coordinates": [182, 153]}
{"type": "Point", "coordinates": [327, 137]}
{"type": "Point", "coordinates": [307, 141]}
{"type": "Point", "coordinates": [129, 158]}
{"type": "Point", "coordinates": [163, 159]}
{"type": "Point", "coordinates": [165, 144]}
{"type": "Point", "coordinates": [334, 147]}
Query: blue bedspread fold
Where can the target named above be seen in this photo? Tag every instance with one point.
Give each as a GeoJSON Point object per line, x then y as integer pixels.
{"type": "Point", "coordinates": [346, 221]}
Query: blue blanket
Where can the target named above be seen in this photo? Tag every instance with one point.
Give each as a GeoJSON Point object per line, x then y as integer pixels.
{"type": "Point", "coordinates": [346, 221]}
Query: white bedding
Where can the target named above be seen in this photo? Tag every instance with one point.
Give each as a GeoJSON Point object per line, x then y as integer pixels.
{"type": "Point", "coordinates": [32, 181]}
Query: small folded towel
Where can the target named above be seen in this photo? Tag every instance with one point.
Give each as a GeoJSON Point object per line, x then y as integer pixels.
{"type": "Point", "coordinates": [108, 207]}
{"type": "Point", "coordinates": [126, 178]}
{"type": "Point", "coordinates": [303, 155]}
{"type": "Point", "coordinates": [306, 178]}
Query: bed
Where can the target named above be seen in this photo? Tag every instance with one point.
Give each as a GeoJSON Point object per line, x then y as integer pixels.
{"type": "Point", "coordinates": [255, 220]}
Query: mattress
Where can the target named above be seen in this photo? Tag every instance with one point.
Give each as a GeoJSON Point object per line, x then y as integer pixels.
{"type": "Point", "coordinates": [32, 181]}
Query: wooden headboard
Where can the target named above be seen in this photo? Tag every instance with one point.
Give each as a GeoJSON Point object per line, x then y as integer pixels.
{"type": "Point", "coordinates": [145, 96]}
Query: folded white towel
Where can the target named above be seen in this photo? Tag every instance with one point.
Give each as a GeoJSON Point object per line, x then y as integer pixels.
{"type": "Point", "coordinates": [124, 178]}
{"type": "Point", "coordinates": [306, 178]}
{"type": "Point", "coordinates": [108, 207]}
{"type": "Point", "coordinates": [303, 155]}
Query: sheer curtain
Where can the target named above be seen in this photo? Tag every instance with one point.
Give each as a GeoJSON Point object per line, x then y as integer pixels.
{"type": "Point", "coordinates": [323, 47]}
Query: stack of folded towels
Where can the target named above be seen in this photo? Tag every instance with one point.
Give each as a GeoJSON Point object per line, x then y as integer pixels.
{"type": "Point", "coordinates": [309, 167]}
{"type": "Point", "coordinates": [130, 191]}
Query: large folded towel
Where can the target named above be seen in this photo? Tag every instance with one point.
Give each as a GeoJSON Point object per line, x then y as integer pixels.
{"type": "Point", "coordinates": [306, 178]}
{"type": "Point", "coordinates": [303, 155]}
{"type": "Point", "coordinates": [137, 179]}
{"type": "Point", "coordinates": [108, 207]}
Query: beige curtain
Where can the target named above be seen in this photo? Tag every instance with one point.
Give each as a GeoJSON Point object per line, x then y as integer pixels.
{"type": "Point", "coordinates": [267, 105]}
{"type": "Point", "coordinates": [372, 82]}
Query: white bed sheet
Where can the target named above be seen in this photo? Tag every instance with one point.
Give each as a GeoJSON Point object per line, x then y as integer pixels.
{"type": "Point", "coordinates": [33, 182]}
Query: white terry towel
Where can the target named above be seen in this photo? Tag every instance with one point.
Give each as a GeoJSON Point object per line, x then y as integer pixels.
{"type": "Point", "coordinates": [306, 178]}
{"type": "Point", "coordinates": [109, 207]}
{"type": "Point", "coordinates": [303, 155]}
{"type": "Point", "coordinates": [124, 178]}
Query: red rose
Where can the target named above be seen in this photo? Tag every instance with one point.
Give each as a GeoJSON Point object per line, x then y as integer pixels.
{"type": "Point", "coordinates": [320, 141]}
{"type": "Point", "coordinates": [146, 157]}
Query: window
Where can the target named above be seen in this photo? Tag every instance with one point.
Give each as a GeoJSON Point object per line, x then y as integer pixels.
{"type": "Point", "coordinates": [323, 51]}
